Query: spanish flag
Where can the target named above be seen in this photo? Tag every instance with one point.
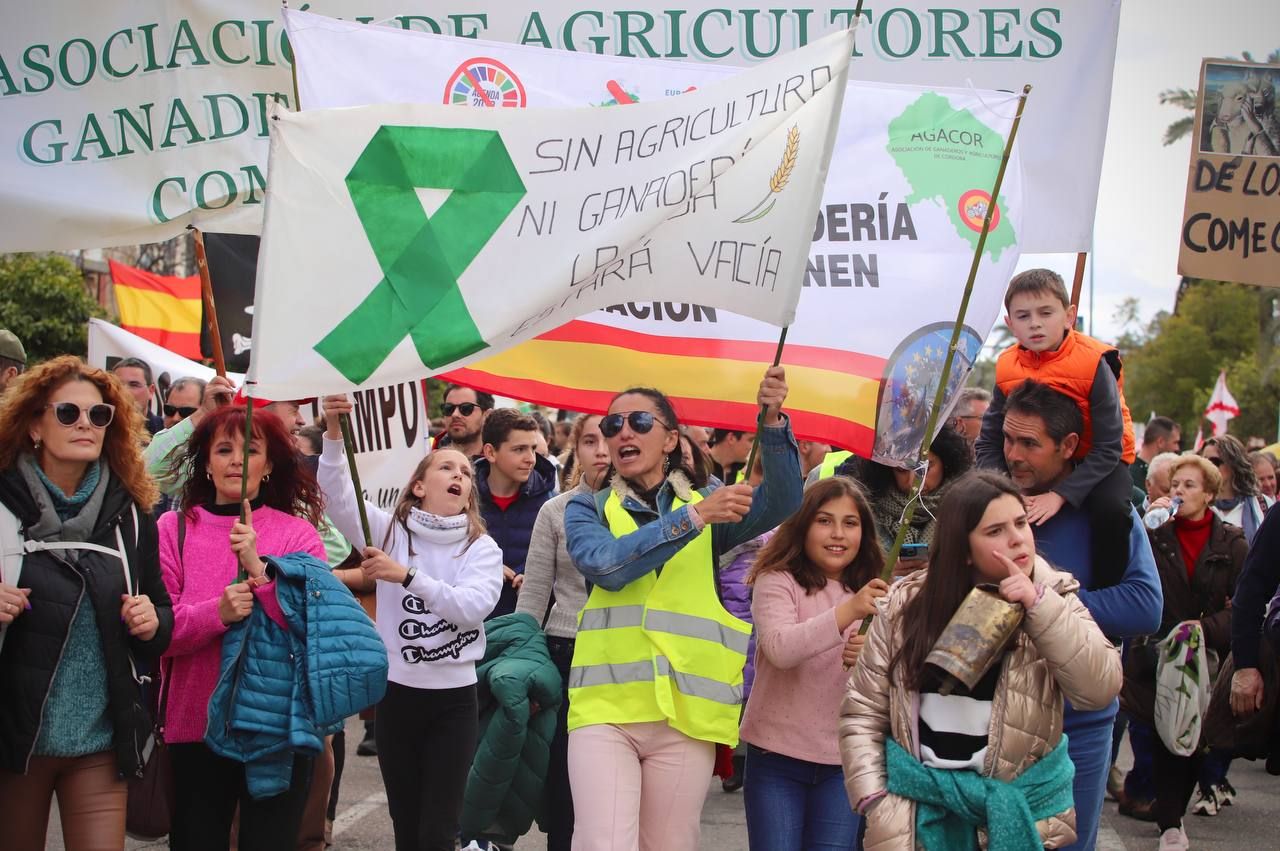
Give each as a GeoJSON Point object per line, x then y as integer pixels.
{"type": "Point", "coordinates": [165, 310]}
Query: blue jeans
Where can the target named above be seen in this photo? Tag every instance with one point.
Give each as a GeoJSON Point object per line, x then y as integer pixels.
{"type": "Point", "coordinates": [1089, 747]}
{"type": "Point", "coordinates": [1140, 784]}
{"type": "Point", "coordinates": [794, 805]}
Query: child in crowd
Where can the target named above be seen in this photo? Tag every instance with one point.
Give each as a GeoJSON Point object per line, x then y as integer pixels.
{"type": "Point", "coordinates": [813, 583]}
{"type": "Point", "coordinates": [928, 769]}
{"type": "Point", "coordinates": [439, 575]}
{"type": "Point", "coordinates": [1050, 351]}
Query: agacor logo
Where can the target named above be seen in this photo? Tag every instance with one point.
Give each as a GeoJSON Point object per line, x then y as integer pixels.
{"type": "Point", "coordinates": [973, 209]}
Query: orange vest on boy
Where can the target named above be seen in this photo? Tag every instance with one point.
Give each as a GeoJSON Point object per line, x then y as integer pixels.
{"type": "Point", "coordinates": [1069, 370]}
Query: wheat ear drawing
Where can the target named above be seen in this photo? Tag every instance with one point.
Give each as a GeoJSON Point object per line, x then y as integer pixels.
{"type": "Point", "coordinates": [778, 181]}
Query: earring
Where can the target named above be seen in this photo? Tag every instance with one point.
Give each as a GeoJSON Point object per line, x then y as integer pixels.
{"type": "Point", "coordinates": [266, 478]}
{"type": "Point", "coordinates": [666, 465]}
{"type": "Point", "coordinates": [36, 444]}
{"type": "Point", "coordinates": [208, 475]}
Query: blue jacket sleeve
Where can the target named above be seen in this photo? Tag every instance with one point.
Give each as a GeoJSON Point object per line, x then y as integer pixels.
{"type": "Point", "coordinates": [778, 495]}
{"type": "Point", "coordinates": [1132, 607]}
{"type": "Point", "coordinates": [613, 563]}
{"type": "Point", "coordinates": [990, 446]}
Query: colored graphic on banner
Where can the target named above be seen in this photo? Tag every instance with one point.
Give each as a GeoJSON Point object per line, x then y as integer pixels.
{"type": "Point", "coordinates": [485, 82]}
{"type": "Point", "coordinates": [973, 208]}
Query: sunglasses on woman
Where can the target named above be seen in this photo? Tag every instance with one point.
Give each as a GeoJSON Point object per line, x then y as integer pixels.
{"type": "Point", "coordinates": [465, 408]}
{"type": "Point", "coordinates": [68, 413]}
{"type": "Point", "coordinates": [641, 422]}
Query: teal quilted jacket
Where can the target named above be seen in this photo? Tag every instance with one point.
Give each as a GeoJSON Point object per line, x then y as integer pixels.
{"type": "Point", "coordinates": [519, 694]}
{"type": "Point", "coordinates": [282, 691]}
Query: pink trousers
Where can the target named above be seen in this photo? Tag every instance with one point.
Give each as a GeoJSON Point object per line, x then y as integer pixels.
{"type": "Point", "coordinates": [637, 786]}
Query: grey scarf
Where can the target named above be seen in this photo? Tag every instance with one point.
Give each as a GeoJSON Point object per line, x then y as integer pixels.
{"type": "Point", "coordinates": [49, 527]}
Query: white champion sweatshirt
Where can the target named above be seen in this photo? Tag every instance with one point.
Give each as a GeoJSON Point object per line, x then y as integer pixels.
{"type": "Point", "coordinates": [434, 630]}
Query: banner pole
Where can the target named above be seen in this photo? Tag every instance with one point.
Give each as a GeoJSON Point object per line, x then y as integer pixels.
{"type": "Point", "coordinates": [939, 396]}
{"type": "Point", "coordinates": [1078, 282]}
{"type": "Point", "coordinates": [755, 443]}
{"type": "Point", "coordinates": [349, 443]}
{"type": "Point", "coordinates": [210, 308]}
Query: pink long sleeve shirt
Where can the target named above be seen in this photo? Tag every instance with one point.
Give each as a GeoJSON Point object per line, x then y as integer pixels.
{"type": "Point", "coordinates": [195, 582]}
{"type": "Point", "coordinates": [794, 707]}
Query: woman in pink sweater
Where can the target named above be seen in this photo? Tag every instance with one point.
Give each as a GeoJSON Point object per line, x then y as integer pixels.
{"type": "Point", "coordinates": [813, 583]}
{"type": "Point", "coordinates": [203, 546]}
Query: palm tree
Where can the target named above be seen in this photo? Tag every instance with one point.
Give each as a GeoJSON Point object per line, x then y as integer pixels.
{"type": "Point", "coordinates": [1185, 99]}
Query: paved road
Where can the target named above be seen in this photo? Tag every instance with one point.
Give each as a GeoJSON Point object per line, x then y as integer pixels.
{"type": "Point", "coordinates": [363, 824]}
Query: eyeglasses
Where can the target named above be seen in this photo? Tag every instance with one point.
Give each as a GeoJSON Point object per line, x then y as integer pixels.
{"type": "Point", "coordinates": [641, 422]}
{"type": "Point", "coordinates": [465, 408]}
{"type": "Point", "coordinates": [68, 413]}
{"type": "Point", "coordinates": [184, 411]}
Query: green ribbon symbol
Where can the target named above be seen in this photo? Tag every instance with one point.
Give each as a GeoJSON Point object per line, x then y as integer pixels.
{"type": "Point", "coordinates": [422, 256]}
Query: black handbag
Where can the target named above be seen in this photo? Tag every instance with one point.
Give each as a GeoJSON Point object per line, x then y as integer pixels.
{"type": "Point", "coordinates": [149, 811]}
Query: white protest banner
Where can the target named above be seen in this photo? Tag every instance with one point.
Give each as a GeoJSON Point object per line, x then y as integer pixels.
{"type": "Point", "coordinates": [893, 240]}
{"type": "Point", "coordinates": [439, 235]}
{"type": "Point", "coordinates": [390, 423]}
{"type": "Point", "coordinates": [123, 122]}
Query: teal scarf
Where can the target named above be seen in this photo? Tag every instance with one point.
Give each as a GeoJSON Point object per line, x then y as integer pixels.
{"type": "Point", "coordinates": [952, 805]}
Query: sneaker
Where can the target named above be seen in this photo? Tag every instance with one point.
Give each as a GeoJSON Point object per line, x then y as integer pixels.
{"type": "Point", "coordinates": [1226, 794]}
{"type": "Point", "coordinates": [1115, 784]}
{"type": "Point", "coordinates": [1140, 810]}
{"type": "Point", "coordinates": [368, 745]}
{"type": "Point", "coordinates": [1174, 839]}
{"type": "Point", "coordinates": [1207, 803]}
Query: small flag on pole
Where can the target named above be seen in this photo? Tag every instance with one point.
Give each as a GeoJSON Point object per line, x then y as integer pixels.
{"type": "Point", "coordinates": [1222, 406]}
{"type": "Point", "coordinates": [165, 310]}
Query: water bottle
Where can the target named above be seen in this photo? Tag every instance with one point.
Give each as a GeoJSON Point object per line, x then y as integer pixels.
{"type": "Point", "coordinates": [1157, 517]}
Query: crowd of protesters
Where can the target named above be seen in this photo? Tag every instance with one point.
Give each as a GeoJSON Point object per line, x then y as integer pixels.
{"type": "Point", "coordinates": [578, 622]}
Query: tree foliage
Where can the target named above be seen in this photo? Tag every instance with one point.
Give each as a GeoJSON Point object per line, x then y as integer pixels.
{"type": "Point", "coordinates": [43, 300]}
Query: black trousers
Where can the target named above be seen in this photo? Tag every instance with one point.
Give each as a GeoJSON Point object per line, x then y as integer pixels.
{"type": "Point", "coordinates": [426, 741]}
{"type": "Point", "coordinates": [1175, 780]}
{"type": "Point", "coordinates": [207, 788]}
{"type": "Point", "coordinates": [559, 797]}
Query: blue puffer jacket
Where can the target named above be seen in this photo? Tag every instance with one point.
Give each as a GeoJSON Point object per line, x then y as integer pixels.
{"type": "Point", "coordinates": [512, 527]}
{"type": "Point", "coordinates": [282, 691]}
{"type": "Point", "coordinates": [735, 593]}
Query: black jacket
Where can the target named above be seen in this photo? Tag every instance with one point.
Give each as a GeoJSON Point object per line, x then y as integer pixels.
{"type": "Point", "coordinates": [513, 528]}
{"type": "Point", "coordinates": [35, 640]}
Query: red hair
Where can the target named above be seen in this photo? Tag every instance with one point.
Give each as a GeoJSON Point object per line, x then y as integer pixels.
{"type": "Point", "coordinates": [291, 487]}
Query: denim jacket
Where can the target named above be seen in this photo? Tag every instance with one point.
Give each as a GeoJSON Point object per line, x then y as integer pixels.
{"type": "Point", "coordinates": [613, 563]}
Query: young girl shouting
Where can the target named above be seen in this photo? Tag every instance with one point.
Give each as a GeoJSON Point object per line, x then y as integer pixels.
{"type": "Point", "coordinates": [932, 770]}
{"type": "Point", "coordinates": [438, 576]}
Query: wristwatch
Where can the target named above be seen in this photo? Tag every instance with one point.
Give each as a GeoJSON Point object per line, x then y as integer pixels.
{"type": "Point", "coordinates": [408, 577]}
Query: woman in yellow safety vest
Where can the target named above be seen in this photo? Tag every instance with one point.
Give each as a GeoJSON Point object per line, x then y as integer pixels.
{"type": "Point", "coordinates": [656, 678]}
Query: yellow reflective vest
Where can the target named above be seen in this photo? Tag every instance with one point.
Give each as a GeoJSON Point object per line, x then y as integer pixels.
{"type": "Point", "coordinates": [830, 461]}
{"type": "Point", "coordinates": [661, 649]}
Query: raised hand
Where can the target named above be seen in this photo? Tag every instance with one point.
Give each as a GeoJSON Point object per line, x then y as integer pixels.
{"type": "Point", "coordinates": [1017, 587]}
{"type": "Point", "coordinates": [727, 504]}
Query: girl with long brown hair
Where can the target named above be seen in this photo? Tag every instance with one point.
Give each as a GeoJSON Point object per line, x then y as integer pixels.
{"type": "Point", "coordinates": [81, 611]}
{"type": "Point", "coordinates": [812, 583]}
{"type": "Point", "coordinates": [919, 762]}
{"type": "Point", "coordinates": [438, 576]}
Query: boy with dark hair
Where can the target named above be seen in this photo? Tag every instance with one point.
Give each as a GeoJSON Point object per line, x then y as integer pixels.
{"type": "Point", "coordinates": [1050, 351]}
{"type": "Point", "coordinates": [512, 482]}
{"type": "Point", "coordinates": [729, 451]}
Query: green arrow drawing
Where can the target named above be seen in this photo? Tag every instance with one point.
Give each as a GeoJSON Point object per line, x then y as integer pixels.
{"type": "Point", "coordinates": [422, 256]}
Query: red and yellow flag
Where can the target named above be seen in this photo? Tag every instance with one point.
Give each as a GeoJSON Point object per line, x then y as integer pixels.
{"type": "Point", "coordinates": [165, 310]}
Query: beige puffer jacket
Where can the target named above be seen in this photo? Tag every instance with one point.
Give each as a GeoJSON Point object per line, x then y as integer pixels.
{"type": "Point", "coordinates": [1057, 651]}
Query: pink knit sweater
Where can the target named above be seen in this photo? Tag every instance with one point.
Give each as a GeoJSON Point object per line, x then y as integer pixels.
{"type": "Point", "coordinates": [195, 582]}
{"type": "Point", "coordinates": [795, 702]}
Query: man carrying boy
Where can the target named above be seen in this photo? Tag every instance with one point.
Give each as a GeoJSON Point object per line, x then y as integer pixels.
{"type": "Point", "coordinates": [512, 482]}
{"type": "Point", "coordinates": [1049, 350]}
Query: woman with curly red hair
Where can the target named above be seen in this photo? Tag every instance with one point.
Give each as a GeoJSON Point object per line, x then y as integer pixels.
{"type": "Point", "coordinates": [81, 610]}
{"type": "Point", "coordinates": [204, 546]}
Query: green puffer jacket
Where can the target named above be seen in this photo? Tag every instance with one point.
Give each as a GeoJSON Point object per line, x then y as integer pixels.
{"type": "Point", "coordinates": [506, 786]}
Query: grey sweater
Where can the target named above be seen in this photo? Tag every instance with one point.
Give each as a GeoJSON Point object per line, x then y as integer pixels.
{"type": "Point", "coordinates": [548, 569]}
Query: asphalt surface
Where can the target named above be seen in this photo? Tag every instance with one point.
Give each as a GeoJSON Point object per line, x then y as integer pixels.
{"type": "Point", "coordinates": [363, 823]}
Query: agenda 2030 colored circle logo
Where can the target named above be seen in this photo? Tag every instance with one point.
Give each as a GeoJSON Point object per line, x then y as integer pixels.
{"type": "Point", "coordinates": [973, 209]}
{"type": "Point", "coordinates": [481, 81]}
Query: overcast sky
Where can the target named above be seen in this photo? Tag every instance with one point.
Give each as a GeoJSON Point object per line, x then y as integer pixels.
{"type": "Point", "coordinates": [1143, 183]}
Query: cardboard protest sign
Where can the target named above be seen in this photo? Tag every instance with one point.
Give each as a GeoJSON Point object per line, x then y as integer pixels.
{"type": "Point", "coordinates": [1231, 221]}
{"type": "Point", "coordinates": [390, 424]}
{"type": "Point", "coordinates": [124, 122]}
{"type": "Point", "coordinates": [440, 235]}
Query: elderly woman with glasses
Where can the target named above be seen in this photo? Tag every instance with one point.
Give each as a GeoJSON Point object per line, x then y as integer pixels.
{"type": "Point", "coordinates": [81, 611]}
{"type": "Point", "coordinates": [656, 677]}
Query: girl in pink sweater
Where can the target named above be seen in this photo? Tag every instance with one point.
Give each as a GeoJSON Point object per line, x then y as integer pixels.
{"type": "Point", "coordinates": [813, 584]}
{"type": "Point", "coordinates": [200, 572]}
